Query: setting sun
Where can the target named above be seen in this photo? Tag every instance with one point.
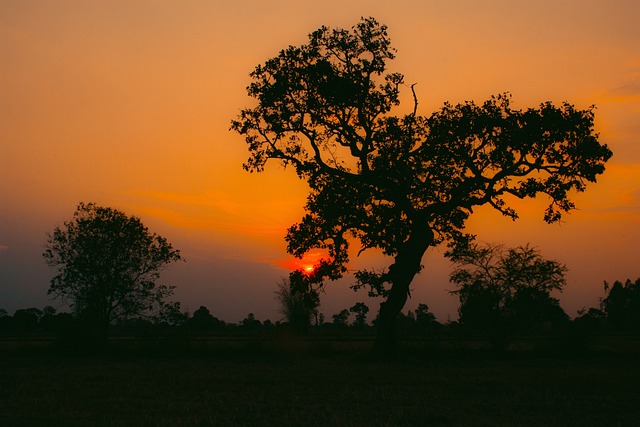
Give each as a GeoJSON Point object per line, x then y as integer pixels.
{"type": "Point", "coordinates": [308, 263]}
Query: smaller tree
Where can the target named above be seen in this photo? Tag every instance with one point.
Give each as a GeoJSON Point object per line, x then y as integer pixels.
{"type": "Point", "coordinates": [202, 320]}
{"type": "Point", "coordinates": [298, 302]}
{"type": "Point", "coordinates": [423, 315]}
{"type": "Point", "coordinates": [502, 290]}
{"type": "Point", "coordinates": [622, 304]}
{"type": "Point", "coordinates": [250, 323]}
{"type": "Point", "coordinates": [341, 318]}
{"type": "Point", "coordinates": [107, 264]}
{"type": "Point", "coordinates": [425, 319]}
{"type": "Point", "coordinates": [360, 310]}
{"type": "Point", "coordinates": [26, 320]}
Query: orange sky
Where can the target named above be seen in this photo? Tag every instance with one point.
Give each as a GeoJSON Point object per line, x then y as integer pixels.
{"type": "Point", "coordinates": [128, 104]}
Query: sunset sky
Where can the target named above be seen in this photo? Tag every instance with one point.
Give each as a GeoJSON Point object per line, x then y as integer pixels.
{"type": "Point", "coordinates": [128, 104]}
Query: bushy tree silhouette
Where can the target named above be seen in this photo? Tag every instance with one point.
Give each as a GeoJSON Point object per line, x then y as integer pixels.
{"type": "Point", "coordinates": [26, 319]}
{"type": "Point", "coordinates": [622, 305]}
{"type": "Point", "coordinates": [401, 184]}
{"type": "Point", "coordinates": [503, 291]}
{"type": "Point", "coordinates": [250, 323]}
{"type": "Point", "coordinates": [107, 264]}
{"type": "Point", "coordinates": [360, 309]}
{"type": "Point", "coordinates": [425, 319]}
{"type": "Point", "coordinates": [341, 318]}
{"type": "Point", "coordinates": [203, 321]}
{"type": "Point", "coordinates": [298, 302]}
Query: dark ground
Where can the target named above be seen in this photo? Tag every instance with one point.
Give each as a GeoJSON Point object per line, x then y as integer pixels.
{"type": "Point", "coordinates": [252, 387]}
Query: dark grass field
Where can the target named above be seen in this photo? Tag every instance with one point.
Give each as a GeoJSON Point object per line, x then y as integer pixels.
{"type": "Point", "coordinates": [289, 388]}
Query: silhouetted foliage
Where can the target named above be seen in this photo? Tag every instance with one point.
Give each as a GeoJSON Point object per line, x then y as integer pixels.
{"type": "Point", "coordinates": [250, 323]}
{"type": "Point", "coordinates": [589, 321]}
{"type": "Point", "coordinates": [425, 320]}
{"type": "Point", "coordinates": [341, 319]}
{"type": "Point", "coordinates": [26, 319]}
{"type": "Point", "coordinates": [170, 314]}
{"type": "Point", "coordinates": [298, 301]}
{"type": "Point", "coordinates": [48, 319]}
{"type": "Point", "coordinates": [360, 309]}
{"type": "Point", "coordinates": [622, 305]}
{"type": "Point", "coordinates": [503, 291]}
{"type": "Point", "coordinates": [106, 266]}
{"type": "Point", "coordinates": [407, 322]}
{"type": "Point", "coordinates": [6, 322]}
{"type": "Point", "coordinates": [401, 184]}
{"type": "Point", "coordinates": [203, 321]}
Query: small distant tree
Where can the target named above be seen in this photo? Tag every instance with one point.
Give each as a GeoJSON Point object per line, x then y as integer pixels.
{"type": "Point", "coordinates": [27, 319]}
{"type": "Point", "coordinates": [589, 321]}
{"type": "Point", "coordinates": [250, 323]}
{"type": "Point", "coordinates": [298, 303]}
{"type": "Point", "coordinates": [48, 319]}
{"type": "Point", "coordinates": [49, 310]}
{"type": "Point", "coordinates": [203, 320]}
{"type": "Point", "coordinates": [425, 319]}
{"type": "Point", "coordinates": [622, 304]}
{"type": "Point", "coordinates": [423, 315]}
{"type": "Point", "coordinates": [107, 264]}
{"type": "Point", "coordinates": [341, 318]}
{"type": "Point", "coordinates": [360, 309]}
{"type": "Point", "coordinates": [501, 289]}
{"type": "Point", "coordinates": [407, 322]}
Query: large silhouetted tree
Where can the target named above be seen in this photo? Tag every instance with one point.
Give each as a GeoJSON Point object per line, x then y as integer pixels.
{"type": "Point", "coordinates": [504, 291]}
{"type": "Point", "coordinates": [107, 264]}
{"type": "Point", "coordinates": [401, 184]}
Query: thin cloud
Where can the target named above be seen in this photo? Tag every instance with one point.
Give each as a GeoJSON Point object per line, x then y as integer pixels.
{"type": "Point", "coordinates": [628, 89]}
{"type": "Point", "coordinates": [212, 199]}
{"type": "Point", "coordinates": [213, 210]}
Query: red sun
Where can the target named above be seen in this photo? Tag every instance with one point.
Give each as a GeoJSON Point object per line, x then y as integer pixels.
{"type": "Point", "coordinates": [307, 264]}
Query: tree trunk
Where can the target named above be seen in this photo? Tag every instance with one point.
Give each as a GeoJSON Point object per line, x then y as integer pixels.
{"type": "Point", "coordinates": [401, 273]}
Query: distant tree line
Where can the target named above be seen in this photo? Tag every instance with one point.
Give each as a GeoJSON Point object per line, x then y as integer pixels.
{"type": "Point", "coordinates": [618, 312]}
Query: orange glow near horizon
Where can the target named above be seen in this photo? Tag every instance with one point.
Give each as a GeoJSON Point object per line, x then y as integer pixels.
{"type": "Point", "coordinates": [307, 263]}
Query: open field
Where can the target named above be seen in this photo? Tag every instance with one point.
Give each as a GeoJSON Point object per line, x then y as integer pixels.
{"type": "Point", "coordinates": [244, 388]}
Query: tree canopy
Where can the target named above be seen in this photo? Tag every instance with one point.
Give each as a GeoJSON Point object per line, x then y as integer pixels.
{"type": "Point", "coordinates": [622, 304]}
{"type": "Point", "coordinates": [503, 291]}
{"type": "Point", "coordinates": [401, 184]}
{"type": "Point", "coordinates": [107, 264]}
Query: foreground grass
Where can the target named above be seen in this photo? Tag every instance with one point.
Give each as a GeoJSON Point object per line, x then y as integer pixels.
{"type": "Point", "coordinates": [345, 390]}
